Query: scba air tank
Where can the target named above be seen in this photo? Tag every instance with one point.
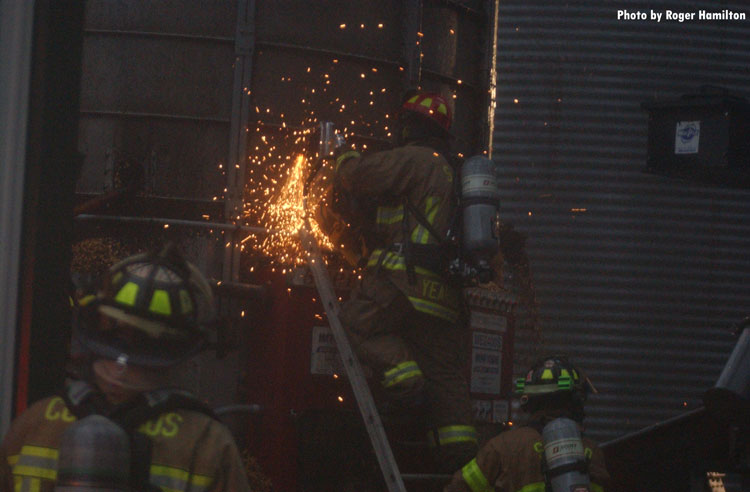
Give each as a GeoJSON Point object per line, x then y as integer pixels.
{"type": "Point", "coordinates": [94, 456]}
{"type": "Point", "coordinates": [566, 467]}
{"type": "Point", "coordinates": [480, 202]}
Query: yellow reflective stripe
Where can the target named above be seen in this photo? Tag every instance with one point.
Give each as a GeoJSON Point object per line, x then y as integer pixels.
{"type": "Point", "coordinates": [540, 388]}
{"type": "Point", "coordinates": [533, 487]}
{"type": "Point", "coordinates": [160, 303]}
{"type": "Point", "coordinates": [27, 484]}
{"type": "Point", "coordinates": [85, 300]}
{"type": "Point", "coordinates": [40, 452]}
{"type": "Point", "coordinates": [426, 102]}
{"type": "Point", "coordinates": [595, 487]}
{"type": "Point", "coordinates": [434, 309]}
{"type": "Point", "coordinates": [36, 462]}
{"type": "Point", "coordinates": [127, 294]}
{"type": "Point", "coordinates": [547, 374]}
{"type": "Point", "coordinates": [351, 154]}
{"type": "Point", "coordinates": [35, 471]}
{"type": "Point", "coordinates": [12, 460]}
{"type": "Point", "coordinates": [442, 109]}
{"type": "Point", "coordinates": [474, 477]}
{"type": "Point", "coordinates": [401, 372]}
{"type": "Point", "coordinates": [456, 433]}
{"type": "Point", "coordinates": [168, 477]}
{"type": "Point", "coordinates": [35, 485]}
{"type": "Point", "coordinates": [395, 261]}
{"type": "Point", "coordinates": [390, 215]}
{"type": "Point", "coordinates": [420, 234]}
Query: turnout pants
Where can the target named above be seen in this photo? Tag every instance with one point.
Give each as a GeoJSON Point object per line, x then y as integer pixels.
{"type": "Point", "coordinates": [417, 357]}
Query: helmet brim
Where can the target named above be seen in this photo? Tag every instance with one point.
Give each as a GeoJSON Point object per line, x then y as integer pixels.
{"type": "Point", "coordinates": [145, 350]}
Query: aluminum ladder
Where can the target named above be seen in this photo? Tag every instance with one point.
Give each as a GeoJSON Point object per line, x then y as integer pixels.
{"type": "Point", "coordinates": [362, 394]}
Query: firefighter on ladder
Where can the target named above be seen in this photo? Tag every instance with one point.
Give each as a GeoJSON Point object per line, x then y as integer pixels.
{"type": "Point", "coordinates": [152, 311]}
{"type": "Point", "coordinates": [552, 391]}
{"type": "Point", "coordinates": [404, 319]}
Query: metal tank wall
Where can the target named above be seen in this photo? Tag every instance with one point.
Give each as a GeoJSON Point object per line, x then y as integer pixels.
{"type": "Point", "coordinates": [189, 90]}
{"type": "Point", "coordinates": [157, 91]}
{"type": "Point", "coordinates": [639, 277]}
{"type": "Point", "coordinates": [211, 99]}
{"type": "Point", "coordinates": [156, 96]}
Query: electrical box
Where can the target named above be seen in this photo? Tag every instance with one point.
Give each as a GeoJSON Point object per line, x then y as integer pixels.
{"type": "Point", "coordinates": [703, 138]}
{"type": "Point", "coordinates": [492, 330]}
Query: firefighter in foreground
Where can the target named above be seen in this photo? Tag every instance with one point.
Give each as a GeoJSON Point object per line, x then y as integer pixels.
{"type": "Point", "coordinates": [404, 319]}
{"type": "Point", "coordinates": [151, 312]}
{"type": "Point", "coordinates": [547, 454]}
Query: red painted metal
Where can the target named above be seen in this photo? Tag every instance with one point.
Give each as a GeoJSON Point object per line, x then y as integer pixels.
{"type": "Point", "coordinates": [281, 380]}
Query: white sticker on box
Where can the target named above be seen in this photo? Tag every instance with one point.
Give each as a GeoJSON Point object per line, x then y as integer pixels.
{"type": "Point", "coordinates": [687, 137]}
{"type": "Point", "coordinates": [485, 371]}
{"type": "Point", "coordinates": [487, 341]}
{"type": "Point", "coordinates": [324, 358]}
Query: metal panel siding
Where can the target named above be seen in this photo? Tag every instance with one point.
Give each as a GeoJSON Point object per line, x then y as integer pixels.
{"type": "Point", "coordinates": [156, 88]}
{"type": "Point", "coordinates": [639, 277]}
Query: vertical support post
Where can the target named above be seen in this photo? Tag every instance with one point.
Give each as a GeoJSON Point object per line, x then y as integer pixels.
{"type": "Point", "coordinates": [52, 167]}
{"type": "Point", "coordinates": [237, 156]}
{"type": "Point", "coordinates": [16, 22]}
{"type": "Point", "coordinates": [411, 50]}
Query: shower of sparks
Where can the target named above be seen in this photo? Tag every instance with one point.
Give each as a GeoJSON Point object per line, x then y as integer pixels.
{"type": "Point", "coordinates": [284, 214]}
{"type": "Point", "coordinates": [280, 155]}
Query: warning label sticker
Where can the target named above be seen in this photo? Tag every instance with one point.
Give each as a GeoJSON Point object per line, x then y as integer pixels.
{"type": "Point", "coordinates": [485, 371]}
{"type": "Point", "coordinates": [487, 341]}
{"type": "Point", "coordinates": [325, 357]}
{"type": "Point", "coordinates": [563, 448]}
{"type": "Point", "coordinates": [687, 137]}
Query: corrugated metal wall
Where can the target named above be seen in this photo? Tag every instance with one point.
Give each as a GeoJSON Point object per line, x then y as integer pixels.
{"type": "Point", "coordinates": [639, 277]}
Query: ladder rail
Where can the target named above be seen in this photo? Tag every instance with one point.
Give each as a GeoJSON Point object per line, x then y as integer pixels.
{"type": "Point", "coordinates": [362, 394]}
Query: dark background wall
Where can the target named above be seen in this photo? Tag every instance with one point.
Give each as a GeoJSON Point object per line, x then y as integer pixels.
{"type": "Point", "coordinates": [639, 277]}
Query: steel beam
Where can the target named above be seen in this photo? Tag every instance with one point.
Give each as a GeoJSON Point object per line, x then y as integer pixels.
{"type": "Point", "coordinates": [237, 159]}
